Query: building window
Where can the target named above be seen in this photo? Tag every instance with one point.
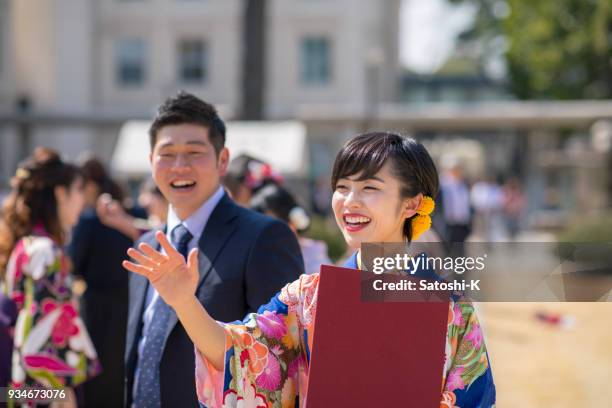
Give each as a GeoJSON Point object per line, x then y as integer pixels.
{"type": "Point", "coordinates": [130, 62]}
{"type": "Point", "coordinates": [316, 61]}
{"type": "Point", "coordinates": [193, 61]}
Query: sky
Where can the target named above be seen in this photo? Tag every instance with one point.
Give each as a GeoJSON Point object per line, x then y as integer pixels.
{"type": "Point", "coordinates": [427, 32]}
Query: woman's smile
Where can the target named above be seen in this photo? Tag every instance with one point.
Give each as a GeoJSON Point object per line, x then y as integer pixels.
{"type": "Point", "coordinates": [355, 222]}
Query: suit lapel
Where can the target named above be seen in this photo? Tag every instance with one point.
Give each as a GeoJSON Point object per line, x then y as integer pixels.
{"type": "Point", "coordinates": [216, 233]}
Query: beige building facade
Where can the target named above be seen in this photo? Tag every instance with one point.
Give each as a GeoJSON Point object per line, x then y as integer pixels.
{"type": "Point", "coordinates": [108, 56]}
{"type": "Point", "coordinates": [83, 67]}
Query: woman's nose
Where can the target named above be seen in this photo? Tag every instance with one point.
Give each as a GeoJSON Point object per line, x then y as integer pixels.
{"type": "Point", "coordinates": [352, 199]}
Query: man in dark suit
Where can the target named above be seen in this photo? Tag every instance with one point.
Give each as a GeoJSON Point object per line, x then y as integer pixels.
{"type": "Point", "coordinates": [244, 257]}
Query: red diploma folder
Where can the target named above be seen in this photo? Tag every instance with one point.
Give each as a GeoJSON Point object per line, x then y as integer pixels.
{"type": "Point", "coordinates": [374, 354]}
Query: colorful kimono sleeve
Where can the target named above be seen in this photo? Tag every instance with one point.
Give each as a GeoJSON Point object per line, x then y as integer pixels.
{"type": "Point", "coordinates": [51, 345]}
{"type": "Point", "coordinates": [468, 380]}
{"type": "Point", "coordinates": [262, 357]}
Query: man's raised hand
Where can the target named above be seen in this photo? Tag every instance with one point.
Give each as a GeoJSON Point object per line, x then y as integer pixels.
{"type": "Point", "coordinates": [174, 279]}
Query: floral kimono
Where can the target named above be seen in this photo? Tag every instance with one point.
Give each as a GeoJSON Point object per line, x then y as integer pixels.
{"type": "Point", "coordinates": [267, 355]}
{"type": "Point", "coordinates": [51, 345]}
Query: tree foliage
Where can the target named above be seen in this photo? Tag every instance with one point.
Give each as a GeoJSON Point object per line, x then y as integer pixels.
{"type": "Point", "coordinates": [560, 49]}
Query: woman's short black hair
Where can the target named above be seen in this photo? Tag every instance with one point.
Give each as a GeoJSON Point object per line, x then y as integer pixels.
{"type": "Point", "coordinates": [365, 154]}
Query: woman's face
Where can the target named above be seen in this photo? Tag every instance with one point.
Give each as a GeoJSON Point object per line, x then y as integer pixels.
{"type": "Point", "coordinates": [70, 203]}
{"type": "Point", "coordinates": [372, 210]}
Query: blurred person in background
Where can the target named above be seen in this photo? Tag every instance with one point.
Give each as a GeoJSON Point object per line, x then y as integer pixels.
{"type": "Point", "coordinates": [275, 201]}
{"type": "Point", "coordinates": [154, 202]}
{"type": "Point", "coordinates": [97, 251]}
{"type": "Point", "coordinates": [486, 197]}
{"type": "Point", "coordinates": [245, 176]}
{"type": "Point", "coordinates": [455, 197]}
{"type": "Point", "coordinates": [513, 205]}
{"type": "Point", "coordinates": [114, 215]}
{"type": "Point", "coordinates": [52, 347]}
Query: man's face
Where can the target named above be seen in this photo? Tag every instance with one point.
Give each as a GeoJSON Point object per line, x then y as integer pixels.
{"type": "Point", "coordinates": [186, 167]}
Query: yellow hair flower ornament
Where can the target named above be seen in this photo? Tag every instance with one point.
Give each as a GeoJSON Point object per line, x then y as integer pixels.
{"type": "Point", "coordinates": [422, 221]}
{"type": "Point", "coordinates": [420, 224]}
{"type": "Point", "coordinates": [427, 206]}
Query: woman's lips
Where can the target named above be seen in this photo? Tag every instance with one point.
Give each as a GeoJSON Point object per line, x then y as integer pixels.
{"type": "Point", "coordinates": [355, 222]}
{"type": "Point", "coordinates": [355, 227]}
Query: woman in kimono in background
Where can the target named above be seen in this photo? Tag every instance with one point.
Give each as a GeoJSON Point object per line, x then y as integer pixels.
{"type": "Point", "coordinates": [52, 348]}
{"type": "Point", "coordinates": [383, 184]}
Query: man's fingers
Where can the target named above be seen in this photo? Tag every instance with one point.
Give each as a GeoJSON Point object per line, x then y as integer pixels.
{"type": "Point", "coordinates": [152, 253]}
{"type": "Point", "coordinates": [141, 258]}
{"type": "Point", "coordinates": [163, 241]}
{"type": "Point", "coordinates": [192, 260]}
{"type": "Point", "coordinates": [139, 269]}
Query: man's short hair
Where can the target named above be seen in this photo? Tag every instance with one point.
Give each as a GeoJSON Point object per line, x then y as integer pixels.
{"type": "Point", "coordinates": [185, 108]}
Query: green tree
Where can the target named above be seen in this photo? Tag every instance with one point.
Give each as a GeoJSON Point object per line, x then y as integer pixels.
{"type": "Point", "coordinates": [559, 49]}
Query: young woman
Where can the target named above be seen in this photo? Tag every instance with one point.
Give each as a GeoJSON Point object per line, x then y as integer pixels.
{"type": "Point", "coordinates": [51, 345]}
{"type": "Point", "coordinates": [383, 184]}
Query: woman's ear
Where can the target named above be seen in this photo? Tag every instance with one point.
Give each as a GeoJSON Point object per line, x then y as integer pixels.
{"type": "Point", "coordinates": [411, 205]}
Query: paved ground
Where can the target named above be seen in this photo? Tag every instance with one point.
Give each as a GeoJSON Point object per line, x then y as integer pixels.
{"type": "Point", "coordinates": [539, 365]}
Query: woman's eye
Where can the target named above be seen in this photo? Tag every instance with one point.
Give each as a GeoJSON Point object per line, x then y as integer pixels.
{"type": "Point", "coordinates": [371, 188]}
{"type": "Point", "coordinates": [341, 187]}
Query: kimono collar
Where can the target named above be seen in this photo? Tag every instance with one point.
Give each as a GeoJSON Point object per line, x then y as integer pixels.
{"type": "Point", "coordinates": [353, 262]}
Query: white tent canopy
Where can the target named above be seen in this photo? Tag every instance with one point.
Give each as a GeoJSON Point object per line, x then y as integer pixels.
{"type": "Point", "coordinates": [282, 144]}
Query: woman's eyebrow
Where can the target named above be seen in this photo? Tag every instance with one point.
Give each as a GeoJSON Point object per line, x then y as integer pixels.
{"type": "Point", "coordinates": [376, 178]}
{"type": "Point", "coordinates": [355, 178]}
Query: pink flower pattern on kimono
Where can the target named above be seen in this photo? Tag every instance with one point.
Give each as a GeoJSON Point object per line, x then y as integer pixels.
{"type": "Point", "coordinates": [270, 378]}
{"type": "Point", "coordinates": [64, 326]}
{"type": "Point", "coordinates": [18, 298]}
{"type": "Point", "coordinates": [454, 380]}
{"type": "Point", "coordinates": [48, 362]}
{"type": "Point", "coordinates": [475, 336]}
{"type": "Point", "coordinates": [458, 315]}
{"type": "Point", "coordinates": [272, 325]}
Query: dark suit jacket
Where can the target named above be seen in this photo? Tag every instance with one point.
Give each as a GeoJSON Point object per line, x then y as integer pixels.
{"type": "Point", "coordinates": [97, 251]}
{"type": "Point", "coordinates": [244, 259]}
